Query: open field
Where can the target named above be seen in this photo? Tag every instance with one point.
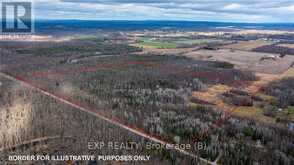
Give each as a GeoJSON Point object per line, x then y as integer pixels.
{"type": "Point", "coordinates": [153, 43]}
{"type": "Point", "coordinates": [257, 62]}
{"type": "Point", "coordinates": [184, 41]}
{"type": "Point", "coordinates": [177, 51]}
{"type": "Point", "coordinates": [289, 72]}
{"type": "Point", "coordinates": [175, 42]}
{"type": "Point", "coordinates": [247, 45]}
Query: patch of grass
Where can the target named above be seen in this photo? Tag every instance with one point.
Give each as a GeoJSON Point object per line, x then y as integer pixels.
{"type": "Point", "coordinates": [172, 43]}
{"type": "Point", "coordinates": [286, 115]}
{"type": "Point", "coordinates": [266, 98]}
{"type": "Point", "coordinates": [248, 131]}
{"type": "Point", "coordinates": [253, 113]}
{"type": "Point", "coordinates": [157, 44]}
{"type": "Point", "coordinates": [289, 73]}
{"type": "Point", "coordinates": [290, 109]}
{"type": "Point", "coordinates": [186, 41]}
{"type": "Point", "coordinates": [195, 106]}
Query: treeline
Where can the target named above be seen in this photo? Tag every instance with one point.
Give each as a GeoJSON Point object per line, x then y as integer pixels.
{"type": "Point", "coordinates": [275, 49]}
{"type": "Point", "coordinates": [78, 47]}
{"type": "Point", "coordinates": [283, 90]}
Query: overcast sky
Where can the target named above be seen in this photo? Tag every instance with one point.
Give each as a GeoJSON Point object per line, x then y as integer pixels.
{"type": "Point", "coordinates": [198, 10]}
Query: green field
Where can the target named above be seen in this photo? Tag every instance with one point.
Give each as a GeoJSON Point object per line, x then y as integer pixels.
{"type": "Point", "coordinates": [185, 41]}
{"type": "Point", "coordinates": [157, 44]}
{"type": "Point", "coordinates": [172, 43]}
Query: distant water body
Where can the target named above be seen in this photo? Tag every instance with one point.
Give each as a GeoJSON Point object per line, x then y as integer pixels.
{"type": "Point", "coordinates": [156, 25]}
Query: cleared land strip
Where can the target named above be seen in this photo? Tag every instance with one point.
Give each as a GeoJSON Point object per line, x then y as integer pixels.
{"type": "Point", "coordinates": [24, 82]}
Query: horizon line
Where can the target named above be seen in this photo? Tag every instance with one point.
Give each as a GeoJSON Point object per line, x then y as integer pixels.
{"type": "Point", "coordinates": [156, 20]}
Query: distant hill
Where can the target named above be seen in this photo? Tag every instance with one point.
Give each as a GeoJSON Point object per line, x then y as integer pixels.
{"type": "Point", "coordinates": [78, 25]}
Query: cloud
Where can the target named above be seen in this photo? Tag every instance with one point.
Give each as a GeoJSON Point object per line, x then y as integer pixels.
{"type": "Point", "coordinates": [213, 10]}
{"type": "Point", "coordinates": [232, 6]}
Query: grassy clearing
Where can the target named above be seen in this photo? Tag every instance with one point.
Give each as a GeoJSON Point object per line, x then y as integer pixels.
{"type": "Point", "coordinates": [157, 45]}
{"type": "Point", "coordinates": [290, 109]}
{"type": "Point", "coordinates": [184, 41]}
{"type": "Point", "coordinates": [83, 37]}
{"type": "Point", "coordinates": [287, 114]}
{"type": "Point", "coordinates": [289, 73]}
{"type": "Point", "coordinates": [151, 43]}
{"type": "Point", "coordinates": [172, 43]}
{"type": "Point", "coordinates": [266, 98]}
{"type": "Point", "coordinates": [247, 45]}
{"type": "Point", "coordinates": [253, 113]}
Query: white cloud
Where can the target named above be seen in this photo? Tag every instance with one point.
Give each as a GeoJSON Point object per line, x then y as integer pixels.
{"type": "Point", "coordinates": [213, 10]}
{"type": "Point", "coordinates": [232, 6]}
{"type": "Point", "coordinates": [290, 8]}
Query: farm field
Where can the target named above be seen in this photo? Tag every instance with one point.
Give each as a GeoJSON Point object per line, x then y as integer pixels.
{"type": "Point", "coordinates": [257, 62]}
{"type": "Point", "coordinates": [153, 43]}
{"type": "Point", "coordinates": [247, 45]}
{"type": "Point", "coordinates": [173, 43]}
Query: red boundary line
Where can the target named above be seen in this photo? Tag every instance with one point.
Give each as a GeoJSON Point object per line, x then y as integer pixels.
{"type": "Point", "coordinates": [83, 105]}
